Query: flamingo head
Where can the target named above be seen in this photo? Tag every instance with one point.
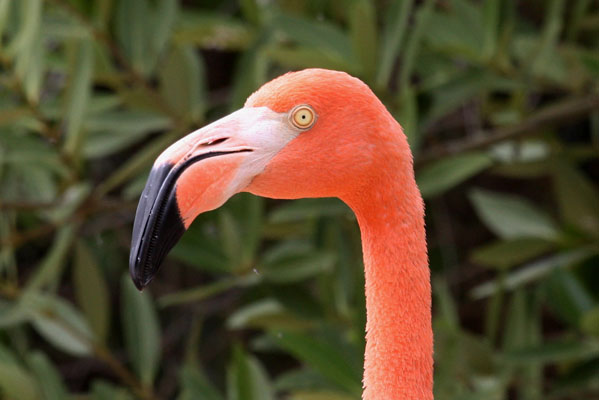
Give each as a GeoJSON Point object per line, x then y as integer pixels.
{"type": "Point", "coordinates": [312, 133]}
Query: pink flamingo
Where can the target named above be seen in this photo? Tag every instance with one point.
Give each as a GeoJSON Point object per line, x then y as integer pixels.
{"type": "Point", "coordinates": [313, 133]}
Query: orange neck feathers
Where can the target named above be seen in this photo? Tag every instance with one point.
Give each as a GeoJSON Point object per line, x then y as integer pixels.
{"type": "Point", "coordinates": [358, 152]}
{"type": "Point", "coordinates": [399, 340]}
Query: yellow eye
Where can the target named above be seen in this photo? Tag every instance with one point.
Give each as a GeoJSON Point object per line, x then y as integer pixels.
{"type": "Point", "coordinates": [303, 117]}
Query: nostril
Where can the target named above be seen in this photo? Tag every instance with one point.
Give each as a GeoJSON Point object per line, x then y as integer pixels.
{"type": "Point", "coordinates": [215, 142]}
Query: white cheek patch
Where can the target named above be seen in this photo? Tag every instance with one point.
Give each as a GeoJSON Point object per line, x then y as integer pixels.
{"type": "Point", "coordinates": [257, 133]}
{"type": "Point", "coordinates": [267, 132]}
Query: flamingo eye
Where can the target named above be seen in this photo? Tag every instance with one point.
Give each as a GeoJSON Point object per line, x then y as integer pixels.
{"type": "Point", "coordinates": [303, 117]}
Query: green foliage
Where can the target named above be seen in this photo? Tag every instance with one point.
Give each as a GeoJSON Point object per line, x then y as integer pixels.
{"type": "Point", "coordinates": [264, 299]}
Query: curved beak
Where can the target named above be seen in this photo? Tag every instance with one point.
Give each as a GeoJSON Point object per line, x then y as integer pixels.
{"type": "Point", "coordinates": [197, 174]}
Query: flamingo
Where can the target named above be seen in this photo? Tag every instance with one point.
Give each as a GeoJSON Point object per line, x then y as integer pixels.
{"type": "Point", "coordinates": [313, 133]}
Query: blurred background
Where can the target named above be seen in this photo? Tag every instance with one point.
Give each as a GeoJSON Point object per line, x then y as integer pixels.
{"type": "Point", "coordinates": [263, 299]}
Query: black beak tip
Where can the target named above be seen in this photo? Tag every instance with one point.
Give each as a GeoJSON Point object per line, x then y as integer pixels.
{"type": "Point", "coordinates": [157, 227]}
{"type": "Point", "coordinates": [138, 280]}
{"type": "Point", "coordinates": [139, 285]}
{"type": "Point", "coordinates": [137, 272]}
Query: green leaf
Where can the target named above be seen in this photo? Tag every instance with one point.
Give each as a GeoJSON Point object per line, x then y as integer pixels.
{"type": "Point", "coordinates": [453, 90]}
{"type": "Point", "coordinates": [293, 262]}
{"type": "Point", "coordinates": [141, 330]}
{"type": "Point", "coordinates": [30, 13]}
{"type": "Point", "coordinates": [302, 304]}
{"type": "Point", "coordinates": [11, 314]}
{"type": "Point", "coordinates": [251, 10]}
{"type": "Point", "coordinates": [567, 296]}
{"type": "Point", "coordinates": [5, 12]}
{"type": "Point", "coordinates": [59, 323]}
{"type": "Point", "coordinates": [457, 30]}
{"type": "Point", "coordinates": [26, 152]}
{"type": "Point", "coordinates": [491, 11]}
{"type": "Point", "coordinates": [48, 378]}
{"type": "Point", "coordinates": [323, 357]}
{"type": "Point", "coordinates": [78, 98]}
{"type": "Point", "coordinates": [447, 313]}
{"type": "Point", "coordinates": [246, 378]}
{"type": "Point", "coordinates": [107, 391]}
{"type": "Point", "coordinates": [132, 30]}
{"type": "Point", "coordinates": [250, 212]}
{"type": "Point", "coordinates": [70, 200]}
{"type": "Point", "coordinates": [59, 26]}
{"type": "Point", "coordinates": [34, 182]}
{"type": "Point", "coordinates": [115, 130]}
{"type": "Point", "coordinates": [308, 382]}
{"type": "Point", "coordinates": [509, 253]}
{"type": "Point", "coordinates": [413, 43]}
{"type": "Point", "coordinates": [306, 57]}
{"type": "Point", "coordinates": [182, 82]}
{"type": "Point", "coordinates": [265, 314]}
{"type": "Point", "coordinates": [532, 272]}
{"type": "Point", "coordinates": [552, 352]}
{"type": "Point", "coordinates": [135, 164]}
{"type": "Point", "coordinates": [133, 190]}
{"type": "Point", "coordinates": [127, 121]}
{"type": "Point", "coordinates": [91, 290]}
{"type": "Point", "coordinates": [319, 395]}
{"type": "Point", "coordinates": [554, 68]}
{"type": "Point", "coordinates": [250, 74]}
{"type": "Point", "coordinates": [35, 70]}
{"type": "Point", "coordinates": [27, 47]}
{"type": "Point", "coordinates": [195, 386]}
{"type": "Point", "coordinates": [395, 29]}
{"type": "Point", "coordinates": [511, 217]}
{"type": "Point", "coordinates": [15, 381]}
{"type": "Point", "coordinates": [577, 11]}
{"type": "Point", "coordinates": [577, 198]}
{"type": "Point", "coordinates": [201, 250]}
{"type": "Point", "coordinates": [197, 294]}
{"type": "Point", "coordinates": [517, 320]}
{"type": "Point", "coordinates": [591, 63]}
{"type": "Point", "coordinates": [543, 59]}
{"type": "Point", "coordinates": [230, 237]}
{"type": "Point", "coordinates": [161, 25]}
{"type": "Point", "coordinates": [590, 322]}
{"type": "Point", "coordinates": [50, 270]}
{"type": "Point", "coordinates": [362, 22]}
{"type": "Point", "coordinates": [442, 175]}
{"type": "Point", "coordinates": [408, 118]}
{"type": "Point", "coordinates": [100, 103]}
{"type": "Point", "coordinates": [316, 34]}
{"type": "Point", "coordinates": [304, 209]}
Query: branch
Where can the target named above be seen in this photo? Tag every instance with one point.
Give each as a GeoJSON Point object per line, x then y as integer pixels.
{"type": "Point", "coordinates": [553, 114]}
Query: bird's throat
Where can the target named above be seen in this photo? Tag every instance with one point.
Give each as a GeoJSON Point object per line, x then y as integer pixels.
{"type": "Point", "coordinates": [399, 340]}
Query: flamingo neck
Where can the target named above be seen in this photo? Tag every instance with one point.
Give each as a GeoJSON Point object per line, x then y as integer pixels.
{"type": "Point", "coordinates": [398, 361]}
